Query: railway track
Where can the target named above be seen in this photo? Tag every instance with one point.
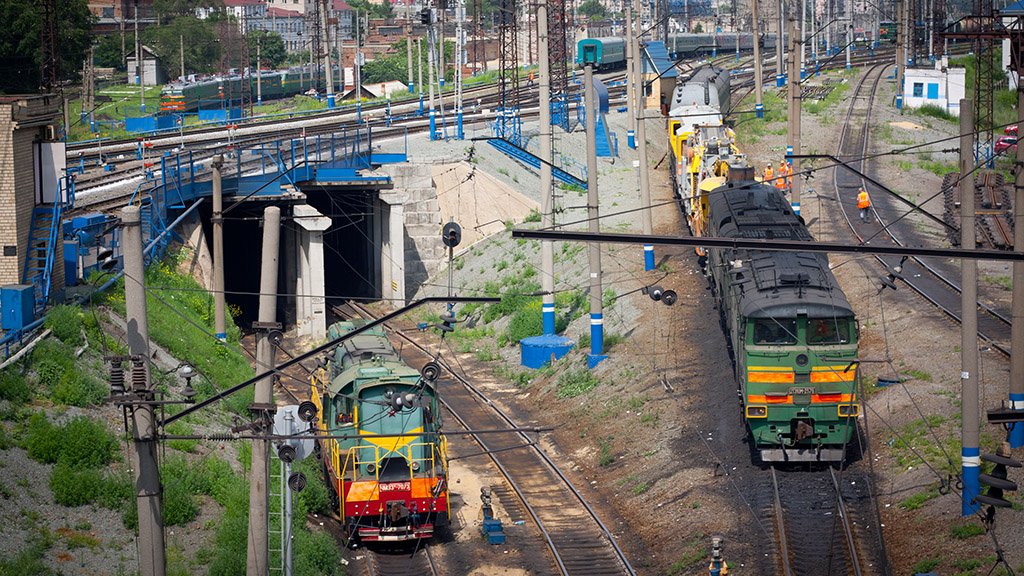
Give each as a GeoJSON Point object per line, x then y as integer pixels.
{"type": "Point", "coordinates": [824, 522]}
{"type": "Point", "coordinates": [576, 539]}
{"type": "Point", "coordinates": [933, 281]}
{"type": "Point", "coordinates": [410, 560]}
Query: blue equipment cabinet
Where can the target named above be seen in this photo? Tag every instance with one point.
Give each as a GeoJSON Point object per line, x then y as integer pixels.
{"type": "Point", "coordinates": [18, 302]}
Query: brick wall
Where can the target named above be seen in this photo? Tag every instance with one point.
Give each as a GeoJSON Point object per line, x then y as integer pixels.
{"type": "Point", "coordinates": [9, 265]}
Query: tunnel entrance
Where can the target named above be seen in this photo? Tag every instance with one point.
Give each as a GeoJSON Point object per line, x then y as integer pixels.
{"type": "Point", "coordinates": [351, 244]}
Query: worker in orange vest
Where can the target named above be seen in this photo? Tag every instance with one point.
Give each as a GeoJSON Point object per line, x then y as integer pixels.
{"type": "Point", "coordinates": [768, 174]}
{"type": "Point", "coordinates": [863, 204]}
{"type": "Point", "coordinates": [780, 182]}
{"type": "Point", "coordinates": [788, 171]}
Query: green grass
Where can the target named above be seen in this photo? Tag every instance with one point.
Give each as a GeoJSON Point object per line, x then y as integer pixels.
{"type": "Point", "coordinates": [180, 315]}
{"type": "Point", "coordinates": [917, 500]}
{"type": "Point", "coordinates": [925, 565]}
{"type": "Point", "coordinates": [964, 531]}
{"type": "Point", "coordinates": [576, 383]}
{"type": "Point", "coordinates": [834, 97]}
{"type": "Point", "coordinates": [918, 375]}
{"type": "Point", "coordinates": [904, 165]}
{"type": "Point", "coordinates": [937, 168]}
{"type": "Point", "coordinates": [1004, 282]}
{"type": "Point", "coordinates": [605, 456]}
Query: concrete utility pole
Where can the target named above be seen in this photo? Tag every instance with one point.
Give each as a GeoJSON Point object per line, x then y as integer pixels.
{"type": "Point", "coordinates": [641, 134]}
{"type": "Point", "coordinates": [326, 39]}
{"type": "Point", "coordinates": [631, 79]}
{"type": "Point", "coordinates": [794, 117]}
{"type": "Point", "coordinates": [547, 190]}
{"type": "Point", "coordinates": [138, 60]}
{"type": "Point", "coordinates": [219, 322]}
{"type": "Point", "coordinates": [419, 67]}
{"type": "Point", "coordinates": [257, 558]}
{"type": "Point", "coordinates": [780, 47]}
{"type": "Point", "coordinates": [849, 44]}
{"type": "Point", "coordinates": [340, 54]}
{"type": "Point", "coordinates": [181, 52]}
{"type": "Point", "coordinates": [147, 474]}
{"type": "Point", "coordinates": [901, 59]}
{"type": "Point", "coordinates": [803, 38]}
{"type": "Point", "coordinates": [357, 68]}
{"type": "Point", "coordinates": [593, 248]}
{"type": "Point", "coordinates": [430, 77]}
{"type": "Point", "coordinates": [259, 70]}
{"type": "Point", "coordinates": [970, 454]}
{"type": "Point", "coordinates": [758, 82]}
{"type": "Point", "coordinates": [409, 45]}
{"type": "Point", "coordinates": [1017, 306]}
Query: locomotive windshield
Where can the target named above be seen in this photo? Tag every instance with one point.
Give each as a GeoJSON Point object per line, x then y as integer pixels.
{"type": "Point", "coordinates": [828, 331]}
{"type": "Point", "coordinates": [775, 331]}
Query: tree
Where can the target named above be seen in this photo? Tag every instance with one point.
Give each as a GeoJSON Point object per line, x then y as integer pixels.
{"type": "Point", "coordinates": [167, 10]}
{"type": "Point", "coordinates": [592, 10]}
{"type": "Point", "coordinates": [20, 57]}
{"type": "Point", "coordinates": [271, 49]}
{"type": "Point", "coordinates": [382, 10]}
{"type": "Point", "coordinates": [202, 47]}
{"type": "Point", "coordinates": [107, 53]}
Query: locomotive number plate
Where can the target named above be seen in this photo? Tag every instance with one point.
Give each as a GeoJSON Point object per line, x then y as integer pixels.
{"type": "Point", "coordinates": [801, 391]}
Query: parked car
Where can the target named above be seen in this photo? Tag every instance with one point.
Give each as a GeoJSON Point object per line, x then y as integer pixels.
{"type": "Point", "coordinates": [1006, 143]}
{"type": "Point", "coordinates": [1011, 130]}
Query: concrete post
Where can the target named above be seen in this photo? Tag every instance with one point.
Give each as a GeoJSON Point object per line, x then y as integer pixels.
{"type": "Point", "coordinates": [901, 59]}
{"type": "Point", "coordinates": [631, 79]}
{"type": "Point", "coordinates": [325, 37]}
{"type": "Point", "coordinates": [219, 320]}
{"type": "Point", "coordinates": [547, 251]}
{"type": "Point", "coordinates": [794, 118]}
{"type": "Point", "coordinates": [139, 69]}
{"type": "Point", "coordinates": [970, 453]}
{"type": "Point", "coordinates": [147, 474]}
{"type": "Point", "coordinates": [780, 48]}
{"type": "Point", "coordinates": [593, 200]}
{"type": "Point", "coordinates": [408, 48]}
{"type": "Point", "coordinates": [1017, 307]}
{"type": "Point", "coordinates": [312, 315]}
{"type": "Point", "coordinates": [257, 555]}
{"type": "Point", "coordinates": [259, 73]}
{"type": "Point", "coordinates": [758, 81]}
{"type": "Point", "coordinates": [641, 134]}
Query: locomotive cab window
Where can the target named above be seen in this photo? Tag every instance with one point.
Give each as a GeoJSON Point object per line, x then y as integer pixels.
{"type": "Point", "coordinates": [828, 331]}
{"type": "Point", "coordinates": [775, 331]}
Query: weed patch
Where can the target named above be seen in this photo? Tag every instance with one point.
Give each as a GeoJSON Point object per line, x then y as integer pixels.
{"type": "Point", "coordinates": [965, 531]}
{"type": "Point", "coordinates": [66, 323]}
{"type": "Point", "coordinates": [576, 382]}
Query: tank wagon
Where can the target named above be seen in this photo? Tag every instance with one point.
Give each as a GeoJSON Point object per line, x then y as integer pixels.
{"type": "Point", "coordinates": [386, 460]}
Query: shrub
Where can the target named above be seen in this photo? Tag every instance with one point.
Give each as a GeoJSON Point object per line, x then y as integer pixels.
{"type": "Point", "coordinates": [77, 389]}
{"type": "Point", "coordinates": [180, 428]}
{"type": "Point", "coordinates": [14, 388]}
{"type": "Point", "coordinates": [179, 505]}
{"type": "Point", "coordinates": [576, 382]}
{"type": "Point", "coordinates": [525, 322]}
{"type": "Point", "coordinates": [87, 443]}
{"type": "Point", "coordinates": [116, 491]}
{"type": "Point", "coordinates": [314, 497]}
{"type": "Point", "coordinates": [73, 486]}
{"type": "Point", "coordinates": [43, 440]}
{"type": "Point", "coordinates": [66, 324]}
{"type": "Point", "coordinates": [964, 531]}
{"type": "Point", "coordinates": [51, 360]}
{"type": "Point", "coordinates": [315, 554]}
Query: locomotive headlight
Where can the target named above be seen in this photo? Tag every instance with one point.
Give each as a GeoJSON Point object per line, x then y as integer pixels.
{"type": "Point", "coordinates": [757, 411]}
{"type": "Point", "coordinates": [370, 468]}
{"type": "Point", "coordinates": [415, 466]}
{"type": "Point", "coordinates": [849, 410]}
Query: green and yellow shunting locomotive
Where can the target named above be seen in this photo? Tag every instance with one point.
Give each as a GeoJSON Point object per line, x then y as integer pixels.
{"type": "Point", "coordinates": [792, 330]}
{"type": "Point", "coordinates": [387, 463]}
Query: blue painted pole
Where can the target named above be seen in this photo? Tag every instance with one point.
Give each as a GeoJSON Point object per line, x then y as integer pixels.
{"type": "Point", "coordinates": [1017, 428]}
{"type": "Point", "coordinates": [433, 125]}
{"type": "Point", "coordinates": [759, 110]}
{"type": "Point", "coordinates": [412, 87]}
{"type": "Point", "coordinates": [971, 460]}
{"type": "Point", "coordinates": [548, 317]}
{"type": "Point", "coordinates": [596, 334]}
{"type": "Point", "coordinates": [359, 111]}
{"type": "Point", "coordinates": [780, 80]}
{"type": "Point", "coordinates": [330, 101]}
{"type": "Point", "coordinates": [420, 111]}
{"type": "Point", "coordinates": [631, 139]}
{"type": "Point", "coordinates": [459, 134]}
{"type": "Point", "coordinates": [648, 257]}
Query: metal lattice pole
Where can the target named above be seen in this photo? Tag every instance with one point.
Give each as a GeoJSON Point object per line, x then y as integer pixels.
{"type": "Point", "coordinates": [558, 58]}
{"type": "Point", "coordinates": [507, 123]}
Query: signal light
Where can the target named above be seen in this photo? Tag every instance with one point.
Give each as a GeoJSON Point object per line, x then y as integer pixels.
{"type": "Point", "coordinates": [757, 411]}
{"type": "Point", "coordinates": [426, 16]}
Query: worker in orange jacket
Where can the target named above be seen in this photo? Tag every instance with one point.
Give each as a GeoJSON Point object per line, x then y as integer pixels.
{"type": "Point", "coordinates": [768, 174]}
{"type": "Point", "coordinates": [780, 177]}
{"type": "Point", "coordinates": [787, 169]}
{"type": "Point", "coordinates": [863, 204]}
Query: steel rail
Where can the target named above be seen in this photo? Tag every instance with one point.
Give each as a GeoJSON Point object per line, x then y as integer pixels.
{"type": "Point", "coordinates": [847, 528]}
{"type": "Point", "coordinates": [537, 450]}
{"type": "Point", "coordinates": [787, 569]}
{"type": "Point", "coordinates": [916, 287]}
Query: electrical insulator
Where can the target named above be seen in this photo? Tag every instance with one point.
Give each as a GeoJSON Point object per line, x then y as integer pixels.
{"type": "Point", "coordinates": [116, 380]}
{"type": "Point", "coordinates": [139, 375]}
